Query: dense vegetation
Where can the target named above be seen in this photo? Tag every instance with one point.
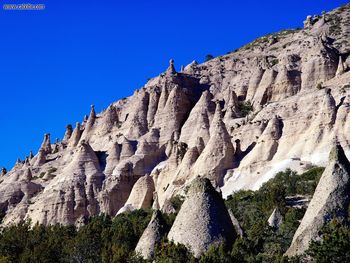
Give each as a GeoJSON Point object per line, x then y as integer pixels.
{"type": "Point", "coordinates": [113, 240]}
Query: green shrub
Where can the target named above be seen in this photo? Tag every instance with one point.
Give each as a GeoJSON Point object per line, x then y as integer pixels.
{"type": "Point", "coordinates": [176, 201]}
{"type": "Point", "coordinates": [319, 85]}
{"type": "Point", "coordinates": [334, 246]}
{"type": "Point", "coordinates": [245, 107]}
{"type": "Point", "coordinates": [208, 57]}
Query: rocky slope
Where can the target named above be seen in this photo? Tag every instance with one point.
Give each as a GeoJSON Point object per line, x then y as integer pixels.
{"type": "Point", "coordinates": [237, 119]}
{"type": "Point", "coordinates": [331, 199]}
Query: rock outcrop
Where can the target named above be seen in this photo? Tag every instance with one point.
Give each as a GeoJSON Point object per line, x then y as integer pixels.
{"type": "Point", "coordinates": [152, 236]}
{"type": "Point", "coordinates": [141, 195]}
{"type": "Point", "coordinates": [203, 219]}
{"type": "Point", "coordinates": [275, 219]}
{"type": "Point", "coordinates": [331, 199]}
{"type": "Point", "coordinates": [237, 119]}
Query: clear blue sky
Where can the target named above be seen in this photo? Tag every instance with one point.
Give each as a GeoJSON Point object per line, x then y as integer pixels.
{"type": "Point", "coordinates": [55, 63]}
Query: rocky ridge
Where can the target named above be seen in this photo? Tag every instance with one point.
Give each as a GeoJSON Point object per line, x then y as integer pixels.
{"type": "Point", "coordinates": [237, 119]}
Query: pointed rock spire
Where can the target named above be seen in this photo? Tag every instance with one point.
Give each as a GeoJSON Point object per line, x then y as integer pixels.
{"type": "Point", "coordinates": [328, 111]}
{"type": "Point", "coordinates": [68, 133]}
{"type": "Point", "coordinates": [109, 118]}
{"type": "Point", "coordinates": [113, 158]}
{"type": "Point", "coordinates": [40, 158]}
{"type": "Point", "coordinates": [171, 69]}
{"type": "Point", "coordinates": [76, 135]}
{"type": "Point", "coordinates": [3, 171]}
{"type": "Point", "coordinates": [235, 223]}
{"type": "Point", "coordinates": [231, 107]}
{"type": "Point", "coordinates": [331, 199]}
{"type": "Point", "coordinates": [217, 155]}
{"type": "Point", "coordinates": [254, 82]}
{"type": "Point", "coordinates": [341, 67]}
{"type": "Point", "coordinates": [190, 68]}
{"type": "Point", "coordinates": [92, 115]}
{"type": "Point", "coordinates": [128, 148]}
{"type": "Point", "coordinates": [27, 176]}
{"type": "Point", "coordinates": [200, 145]}
{"type": "Point", "coordinates": [31, 155]}
{"type": "Point", "coordinates": [141, 195]}
{"type": "Point", "coordinates": [90, 122]}
{"type": "Point", "coordinates": [199, 120]}
{"type": "Point", "coordinates": [46, 144]}
{"type": "Point", "coordinates": [203, 219]}
{"type": "Point", "coordinates": [152, 236]}
{"type": "Point", "coordinates": [275, 219]}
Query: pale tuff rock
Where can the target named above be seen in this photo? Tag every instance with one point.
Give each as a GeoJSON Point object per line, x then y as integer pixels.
{"type": "Point", "coordinates": [263, 93]}
{"type": "Point", "coordinates": [199, 120]}
{"type": "Point", "coordinates": [318, 65]}
{"type": "Point", "coordinates": [137, 122]}
{"type": "Point", "coordinates": [167, 207]}
{"type": "Point", "coordinates": [308, 22]}
{"type": "Point", "coordinates": [27, 176]}
{"type": "Point", "coordinates": [46, 144]}
{"type": "Point", "coordinates": [231, 107]}
{"type": "Point", "coordinates": [175, 111]}
{"type": "Point", "coordinates": [113, 158]}
{"type": "Point", "coordinates": [254, 82]}
{"type": "Point", "coordinates": [171, 130]}
{"type": "Point", "coordinates": [331, 198]}
{"type": "Point", "coordinates": [171, 69]}
{"type": "Point", "coordinates": [155, 205]}
{"type": "Point", "coordinates": [185, 166]}
{"type": "Point", "coordinates": [154, 96]}
{"type": "Point", "coordinates": [341, 67]}
{"type": "Point", "coordinates": [267, 145]}
{"type": "Point", "coordinates": [76, 135]}
{"type": "Point", "coordinates": [141, 195]}
{"type": "Point", "coordinates": [77, 191]}
{"type": "Point", "coordinates": [217, 155]}
{"type": "Point", "coordinates": [68, 133]}
{"type": "Point", "coordinates": [40, 159]}
{"type": "Point", "coordinates": [287, 84]}
{"type": "Point", "coordinates": [152, 236]}
{"type": "Point", "coordinates": [89, 123]}
{"type": "Point", "coordinates": [190, 68]}
{"type": "Point", "coordinates": [275, 219]}
{"type": "Point", "coordinates": [108, 120]}
{"type": "Point", "coordinates": [203, 219]}
{"type": "Point", "coordinates": [328, 109]}
{"type": "Point", "coordinates": [128, 148]}
{"type": "Point", "coordinates": [236, 224]}
{"type": "Point", "coordinates": [16, 192]}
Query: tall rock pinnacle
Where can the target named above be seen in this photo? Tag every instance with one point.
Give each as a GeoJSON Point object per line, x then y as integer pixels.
{"type": "Point", "coordinates": [203, 219]}
{"type": "Point", "coordinates": [331, 198]}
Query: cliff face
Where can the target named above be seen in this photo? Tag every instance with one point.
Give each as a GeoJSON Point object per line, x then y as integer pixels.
{"type": "Point", "coordinates": [237, 119]}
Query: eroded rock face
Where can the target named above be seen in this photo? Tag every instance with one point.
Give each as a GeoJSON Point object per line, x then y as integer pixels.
{"type": "Point", "coordinates": [331, 199]}
{"type": "Point", "coordinates": [203, 219]}
{"type": "Point", "coordinates": [152, 236]}
{"type": "Point", "coordinates": [237, 119]}
{"type": "Point", "coordinates": [141, 195]}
